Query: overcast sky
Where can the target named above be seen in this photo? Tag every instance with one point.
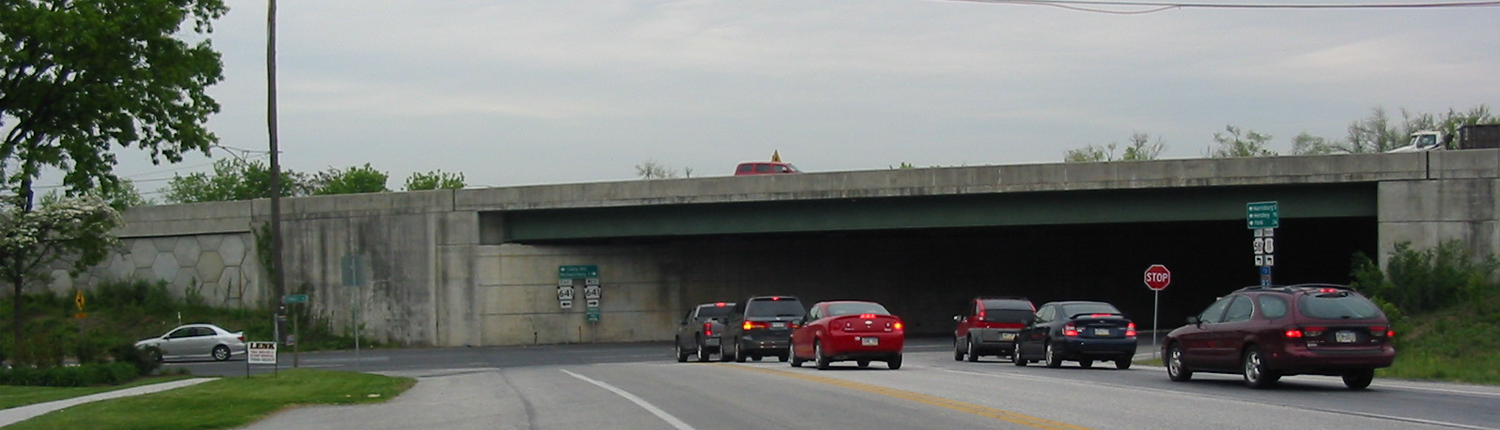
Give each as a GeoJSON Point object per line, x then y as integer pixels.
{"type": "Point", "coordinates": [534, 92]}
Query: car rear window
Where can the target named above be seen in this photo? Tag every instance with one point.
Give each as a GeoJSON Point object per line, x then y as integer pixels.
{"type": "Point", "coordinates": [1008, 315]}
{"type": "Point", "coordinates": [1007, 304]}
{"type": "Point", "coordinates": [1333, 306]}
{"type": "Point", "coordinates": [1088, 308]}
{"type": "Point", "coordinates": [713, 311]}
{"type": "Point", "coordinates": [837, 309]}
{"type": "Point", "coordinates": [774, 308]}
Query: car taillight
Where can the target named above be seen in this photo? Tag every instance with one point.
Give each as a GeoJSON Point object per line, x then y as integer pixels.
{"type": "Point", "coordinates": [981, 314]}
{"type": "Point", "coordinates": [719, 304]}
{"type": "Point", "coordinates": [899, 326]}
{"type": "Point", "coordinates": [1130, 330]}
{"type": "Point", "coordinates": [1313, 331]}
{"type": "Point", "coordinates": [1328, 290]}
{"type": "Point", "coordinates": [1100, 315]}
{"type": "Point", "coordinates": [708, 329]}
{"type": "Point", "coordinates": [1070, 331]}
{"type": "Point", "coordinates": [1293, 334]}
{"type": "Point", "coordinates": [794, 324]}
{"type": "Point", "coordinates": [242, 338]}
{"type": "Point", "coordinates": [866, 316]}
{"type": "Point", "coordinates": [1379, 331]}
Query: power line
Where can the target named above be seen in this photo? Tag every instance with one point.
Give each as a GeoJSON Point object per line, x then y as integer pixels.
{"type": "Point", "coordinates": [1092, 5]}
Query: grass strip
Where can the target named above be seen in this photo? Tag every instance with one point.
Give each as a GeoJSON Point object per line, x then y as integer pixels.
{"type": "Point", "coordinates": [225, 403]}
{"type": "Point", "coordinates": [15, 396]}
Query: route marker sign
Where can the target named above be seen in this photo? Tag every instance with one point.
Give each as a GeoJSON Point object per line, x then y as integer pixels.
{"type": "Point", "coordinates": [1158, 277]}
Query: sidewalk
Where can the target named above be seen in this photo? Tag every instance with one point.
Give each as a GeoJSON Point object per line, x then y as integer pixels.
{"type": "Point", "coordinates": [22, 413]}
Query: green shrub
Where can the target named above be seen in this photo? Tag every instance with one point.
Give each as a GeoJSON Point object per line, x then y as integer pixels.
{"type": "Point", "coordinates": [142, 359]}
{"type": "Point", "coordinates": [70, 376]}
{"type": "Point", "coordinates": [1423, 281]}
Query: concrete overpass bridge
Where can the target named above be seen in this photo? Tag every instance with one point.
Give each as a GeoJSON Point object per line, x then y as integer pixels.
{"type": "Point", "coordinates": [481, 266]}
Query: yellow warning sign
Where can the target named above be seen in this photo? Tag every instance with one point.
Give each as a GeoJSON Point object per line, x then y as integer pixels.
{"type": "Point", "coordinates": [78, 298]}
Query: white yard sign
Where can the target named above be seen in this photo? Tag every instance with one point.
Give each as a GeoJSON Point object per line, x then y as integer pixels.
{"type": "Point", "coordinates": [261, 352]}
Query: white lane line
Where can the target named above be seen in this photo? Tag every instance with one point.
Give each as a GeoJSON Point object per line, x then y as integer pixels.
{"type": "Point", "coordinates": [676, 423]}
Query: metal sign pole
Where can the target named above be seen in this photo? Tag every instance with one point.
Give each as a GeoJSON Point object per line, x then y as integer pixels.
{"type": "Point", "coordinates": [356, 327]}
{"type": "Point", "coordinates": [1155, 312]}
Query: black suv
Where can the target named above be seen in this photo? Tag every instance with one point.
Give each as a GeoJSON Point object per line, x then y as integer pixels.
{"type": "Point", "coordinates": [761, 326]}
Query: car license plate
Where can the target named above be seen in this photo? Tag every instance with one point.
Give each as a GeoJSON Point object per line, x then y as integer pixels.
{"type": "Point", "coordinates": [778, 325]}
{"type": "Point", "coordinates": [1344, 337]}
{"type": "Point", "coordinates": [1101, 332]}
{"type": "Point", "coordinates": [869, 341]}
{"type": "Point", "coordinates": [1007, 336]}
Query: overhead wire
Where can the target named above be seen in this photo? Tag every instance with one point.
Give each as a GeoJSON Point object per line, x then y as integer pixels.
{"type": "Point", "coordinates": [1153, 7]}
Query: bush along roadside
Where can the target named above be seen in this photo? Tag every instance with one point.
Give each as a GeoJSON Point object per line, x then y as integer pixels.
{"type": "Point", "coordinates": [1444, 304]}
{"type": "Point", "coordinates": [123, 312]}
{"type": "Point", "coordinates": [83, 375]}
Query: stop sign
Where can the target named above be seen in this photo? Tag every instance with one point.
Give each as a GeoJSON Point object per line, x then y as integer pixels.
{"type": "Point", "coordinates": [1158, 277]}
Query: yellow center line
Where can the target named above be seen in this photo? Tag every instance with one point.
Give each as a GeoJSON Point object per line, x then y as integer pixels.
{"type": "Point", "coordinates": [971, 408]}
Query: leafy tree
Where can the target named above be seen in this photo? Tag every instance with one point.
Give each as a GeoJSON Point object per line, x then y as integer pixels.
{"type": "Point", "coordinates": [355, 180]}
{"type": "Point", "coordinates": [233, 179]}
{"type": "Point", "coordinates": [653, 170]}
{"type": "Point", "coordinates": [434, 180]}
{"type": "Point", "coordinates": [1090, 154]}
{"type": "Point", "coordinates": [73, 229]}
{"type": "Point", "coordinates": [1375, 133]}
{"type": "Point", "coordinates": [1141, 148]}
{"type": "Point", "coordinates": [79, 78]}
{"type": "Point", "coordinates": [903, 166]}
{"type": "Point", "coordinates": [122, 197]}
{"type": "Point", "coordinates": [1235, 142]}
{"type": "Point", "coordinates": [1307, 144]}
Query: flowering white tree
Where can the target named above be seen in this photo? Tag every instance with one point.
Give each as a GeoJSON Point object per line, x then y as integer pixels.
{"type": "Point", "coordinates": [77, 230]}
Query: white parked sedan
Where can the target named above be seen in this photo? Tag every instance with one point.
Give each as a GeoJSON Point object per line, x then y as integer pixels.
{"type": "Point", "coordinates": [197, 340]}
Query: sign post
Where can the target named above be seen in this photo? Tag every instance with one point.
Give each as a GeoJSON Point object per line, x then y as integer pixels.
{"type": "Point", "coordinates": [589, 273]}
{"type": "Point", "coordinates": [1157, 279]}
{"type": "Point", "coordinates": [292, 340]}
{"type": "Point", "coordinates": [259, 353]}
{"type": "Point", "coordinates": [352, 269]}
{"type": "Point", "coordinates": [1263, 218]}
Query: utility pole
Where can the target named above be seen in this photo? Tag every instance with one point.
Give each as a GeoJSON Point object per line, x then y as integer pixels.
{"type": "Point", "coordinates": [278, 275]}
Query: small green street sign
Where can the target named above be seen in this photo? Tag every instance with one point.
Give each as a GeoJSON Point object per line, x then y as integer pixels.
{"type": "Point", "coordinates": [593, 315]}
{"type": "Point", "coordinates": [1262, 215]}
{"type": "Point", "coordinates": [294, 298]}
{"type": "Point", "coordinates": [578, 272]}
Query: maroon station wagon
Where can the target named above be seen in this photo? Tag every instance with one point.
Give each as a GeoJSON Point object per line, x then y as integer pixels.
{"type": "Point", "coordinates": [1264, 333]}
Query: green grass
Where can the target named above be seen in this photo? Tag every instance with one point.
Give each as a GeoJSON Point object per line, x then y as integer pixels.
{"type": "Point", "coordinates": [1478, 369]}
{"type": "Point", "coordinates": [13, 396]}
{"type": "Point", "coordinates": [1459, 344]}
{"type": "Point", "coordinates": [225, 403]}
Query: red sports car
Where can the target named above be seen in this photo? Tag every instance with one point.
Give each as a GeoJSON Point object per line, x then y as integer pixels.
{"type": "Point", "coordinates": [849, 330]}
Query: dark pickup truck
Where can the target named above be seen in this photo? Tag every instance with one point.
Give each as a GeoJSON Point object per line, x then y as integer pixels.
{"type": "Point", "coordinates": [699, 331]}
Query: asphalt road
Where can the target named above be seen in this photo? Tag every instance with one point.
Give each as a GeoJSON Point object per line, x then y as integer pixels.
{"type": "Point", "coordinates": [640, 386]}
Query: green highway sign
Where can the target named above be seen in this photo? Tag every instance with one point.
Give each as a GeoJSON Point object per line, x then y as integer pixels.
{"type": "Point", "coordinates": [593, 315]}
{"type": "Point", "coordinates": [578, 272]}
{"type": "Point", "coordinates": [1262, 215]}
{"type": "Point", "coordinates": [294, 298]}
